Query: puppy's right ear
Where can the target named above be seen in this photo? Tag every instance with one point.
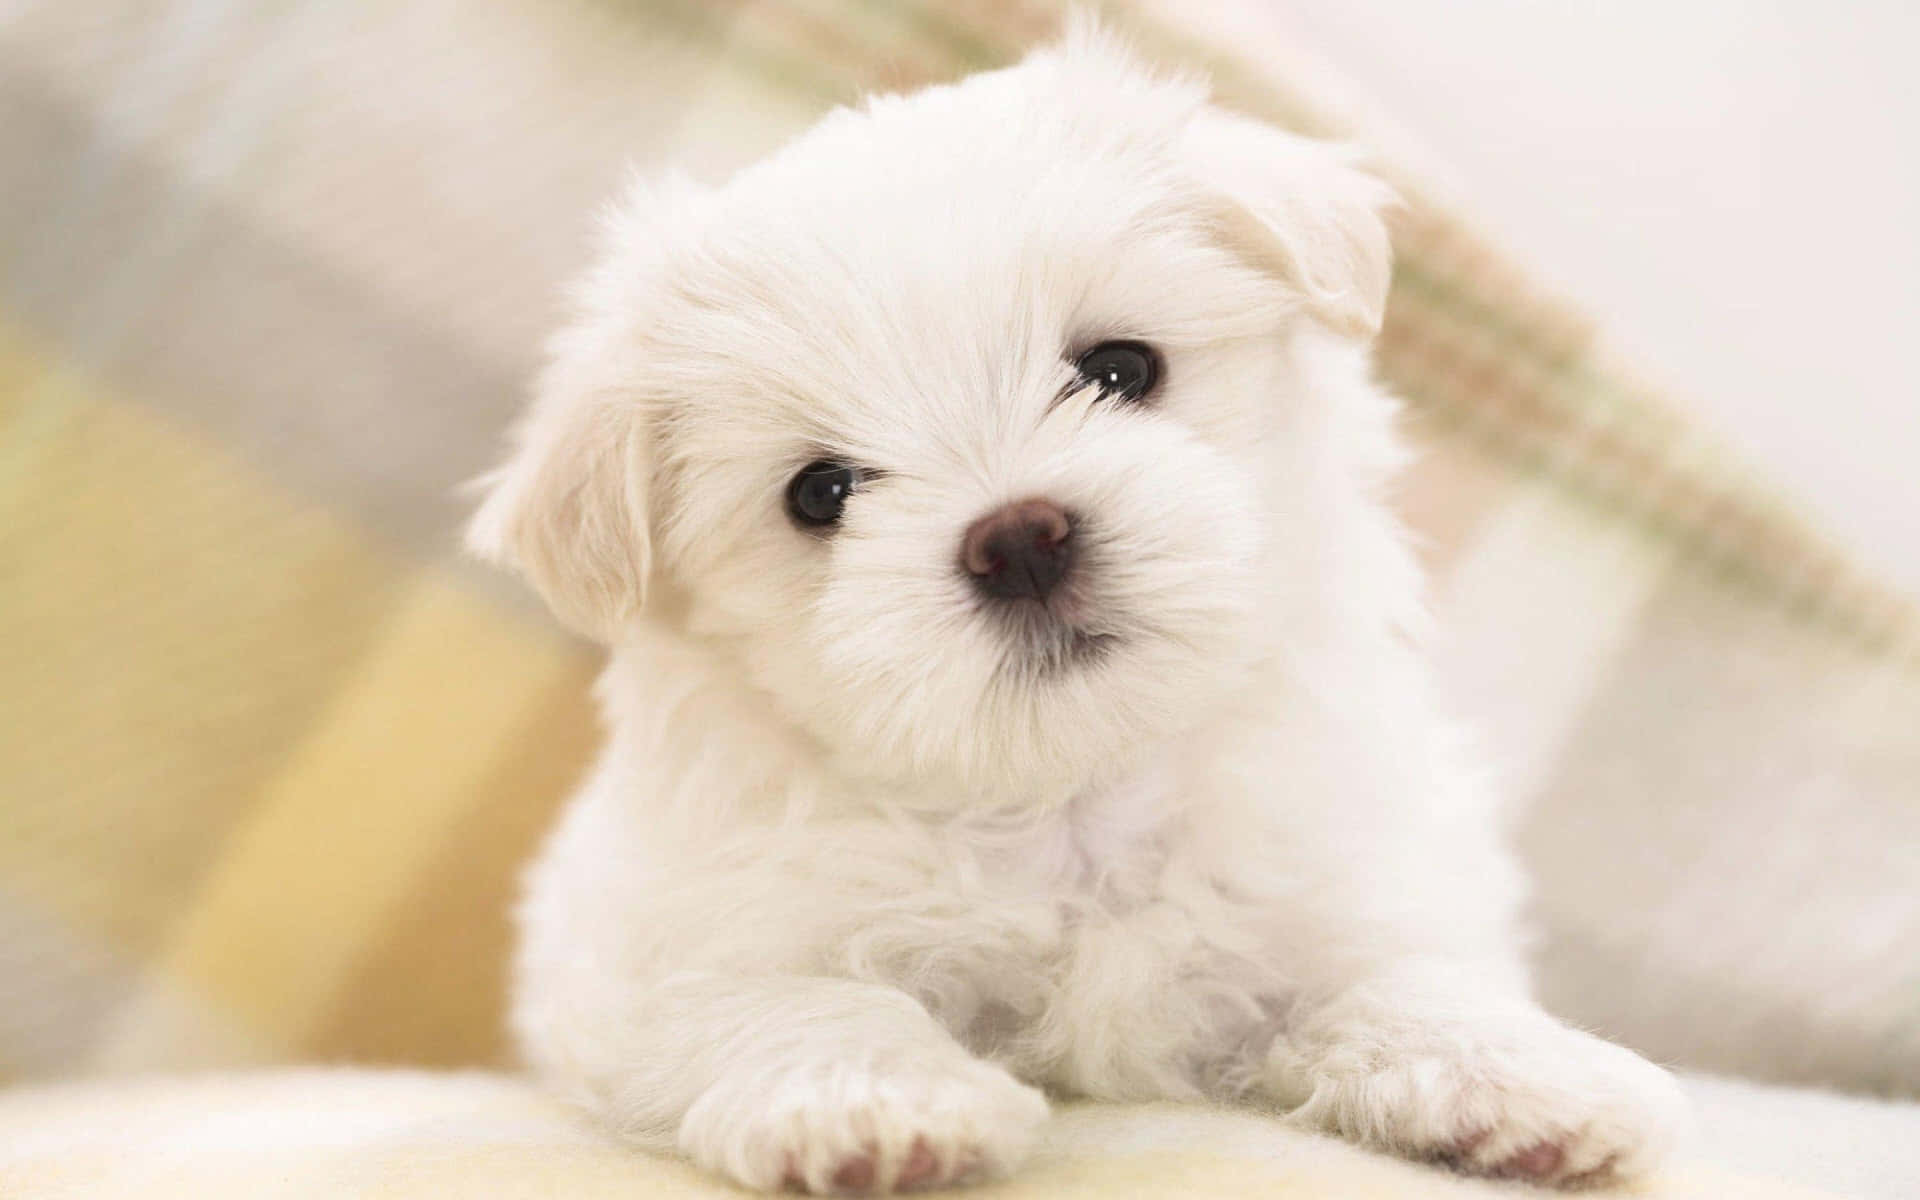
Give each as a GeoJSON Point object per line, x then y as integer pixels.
{"type": "Point", "coordinates": [568, 509]}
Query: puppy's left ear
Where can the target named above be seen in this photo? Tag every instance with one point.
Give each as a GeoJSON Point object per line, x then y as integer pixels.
{"type": "Point", "coordinates": [1302, 209]}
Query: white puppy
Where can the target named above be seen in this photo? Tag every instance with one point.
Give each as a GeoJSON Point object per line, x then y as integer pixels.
{"type": "Point", "coordinates": [1013, 681]}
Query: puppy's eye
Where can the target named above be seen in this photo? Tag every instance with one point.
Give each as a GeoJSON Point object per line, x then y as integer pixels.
{"type": "Point", "coordinates": [1121, 370]}
{"type": "Point", "coordinates": [817, 494]}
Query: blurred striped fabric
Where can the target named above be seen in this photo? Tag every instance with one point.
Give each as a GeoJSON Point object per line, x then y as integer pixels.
{"type": "Point", "coordinates": [272, 276]}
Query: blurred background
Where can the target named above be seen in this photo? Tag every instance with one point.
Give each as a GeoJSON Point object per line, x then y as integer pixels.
{"type": "Point", "coordinates": [1729, 184]}
{"type": "Point", "coordinates": [273, 276]}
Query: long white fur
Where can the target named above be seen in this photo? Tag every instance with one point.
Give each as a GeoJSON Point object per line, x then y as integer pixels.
{"type": "Point", "coordinates": [856, 873]}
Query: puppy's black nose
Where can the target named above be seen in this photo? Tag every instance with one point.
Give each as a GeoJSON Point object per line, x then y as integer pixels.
{"type": "Point", "coordinates": [1018, 551]}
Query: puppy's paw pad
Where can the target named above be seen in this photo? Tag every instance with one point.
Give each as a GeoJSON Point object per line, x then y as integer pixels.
{"type": "Point", "coordinates": [1537, 1163]}
{"type": "Point", "coordinates": [1557, 1107]}
{"type": "Point", "coordinates": [860, 1174]}
{"type": "Point", "coordinates": [922, 1169]}
{"type": "Point", "coordinates": [855, 1174]}
{"type": "Point", "coordinates": [841, 1130]}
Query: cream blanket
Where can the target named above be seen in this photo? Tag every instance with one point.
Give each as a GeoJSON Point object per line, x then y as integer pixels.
{"type": "Point", "coordinates": [350, 1134]}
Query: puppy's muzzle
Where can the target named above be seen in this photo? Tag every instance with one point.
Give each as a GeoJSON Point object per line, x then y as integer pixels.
{"type": "Point", "coordinates": [1018, 552]}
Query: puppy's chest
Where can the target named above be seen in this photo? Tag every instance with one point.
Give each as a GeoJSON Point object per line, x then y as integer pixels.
{"type": "Point", "coordinates": [1099, 929]}
{"type": "Point", "coordinates": [1112, 874]}
{"type": "Point", "coordinates": [1109, 848]}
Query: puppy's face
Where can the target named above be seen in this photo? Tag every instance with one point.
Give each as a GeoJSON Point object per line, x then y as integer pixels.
{"type": "Point", "coordinates": [970, 425]}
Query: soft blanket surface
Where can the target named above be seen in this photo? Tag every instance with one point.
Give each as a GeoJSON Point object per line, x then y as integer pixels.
{"type": "Point", "coordinates": [347, 1134]}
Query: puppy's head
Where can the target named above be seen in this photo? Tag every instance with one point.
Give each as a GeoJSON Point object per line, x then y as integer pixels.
{"type": "Point", "coordinates": [971, 425]}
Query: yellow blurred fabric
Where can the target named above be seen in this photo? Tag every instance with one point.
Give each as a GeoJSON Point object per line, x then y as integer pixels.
{"type": "Point", "coordinates": [266, 776]}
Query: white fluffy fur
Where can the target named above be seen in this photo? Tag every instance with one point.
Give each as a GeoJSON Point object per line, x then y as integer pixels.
{"type": "Point", "coordinates": [859, 869]}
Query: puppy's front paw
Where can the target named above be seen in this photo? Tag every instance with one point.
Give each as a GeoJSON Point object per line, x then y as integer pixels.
{"type": "Point", "coordinates": [1528, 1099]}
{"type": "Point", "coordinates": [864, 1126]}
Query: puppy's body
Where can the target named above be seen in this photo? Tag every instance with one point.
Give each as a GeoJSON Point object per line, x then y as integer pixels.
{"type": "Point", "coordinates": [879, 837]}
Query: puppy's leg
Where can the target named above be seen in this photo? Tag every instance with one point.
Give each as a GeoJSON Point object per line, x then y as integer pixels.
{"type": "Point", "coordinates": [1435, 1063]}
{"type": "Point", "coordinates": [829, 1085]}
